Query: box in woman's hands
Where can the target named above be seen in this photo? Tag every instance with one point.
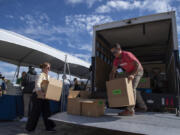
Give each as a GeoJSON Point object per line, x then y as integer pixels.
{"type": "Point", "coordinates": [52, 89]}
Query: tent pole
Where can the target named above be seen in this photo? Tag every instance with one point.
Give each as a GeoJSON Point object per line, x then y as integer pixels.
{"type": "Point", "coordinates": [15, 74]}
{"type": "Point", "coordinates": [18, 68]}
{"type": "Point", "coordinates": [57, 76]}
{"type": "Point", "coordinates": [63, 92]}
{"type": "Point", "coordinates": [69, 70]}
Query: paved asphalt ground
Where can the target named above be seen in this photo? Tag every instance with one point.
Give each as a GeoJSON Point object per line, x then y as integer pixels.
{"type": "Point", "coordinates": [17, 128]}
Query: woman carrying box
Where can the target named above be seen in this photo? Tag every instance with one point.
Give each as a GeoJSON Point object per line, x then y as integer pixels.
{"type": "Point", "coordinates": [40, 104]}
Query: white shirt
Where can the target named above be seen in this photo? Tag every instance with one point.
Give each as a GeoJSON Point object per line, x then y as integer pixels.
{"type": "Point", "coordinates": [39, 78]}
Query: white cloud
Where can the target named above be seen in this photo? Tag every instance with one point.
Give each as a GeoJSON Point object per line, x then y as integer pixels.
{"type": "Point", "coordinates": [85, 22]}
{"type": "Point", "coordinates": [40, 25]}
{"type": "Point", "coordinates": [86, 57]}
{"type": "Point", "coordinates": [88, 2]}
{"type": "Point", "coordinates": [7, 70]}
{"type": "Point", "coordinates": [74, 1]}
{"type": "Point", "coordinates": [158, 5]}
{"type": "Point", "coordinates": [148, 5]}
{"type": "Point", "coordinates": [86, 47]}
{"type": "Point", "coordinates": [178, 29]}
{"type": "Point", "coordinates": [80, 46]}
{"type": "Point", "coordinates": [10, 16]}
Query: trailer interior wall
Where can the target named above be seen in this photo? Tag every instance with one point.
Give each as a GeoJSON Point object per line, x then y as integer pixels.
{"type": "Point", "coordinates": [170, 68]}
{"type": "Point", "coordinates": [151, 42]}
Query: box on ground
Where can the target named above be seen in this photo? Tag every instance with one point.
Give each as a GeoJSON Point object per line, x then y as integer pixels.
{"type": "Point", "coordinates": [144, 83]}
{"type": "Point", "coordinates": [79, 104]}
{"type": "Point", "coordinates": [120, 93]}
{"type": "Point", "coordinates": [52, 88]}
{"type": "Point", "coordinates": [74, 106]}
{"type": "Point", "coordinates": [85, 94]}
{"type": "Point", "coordinates": [93, 107]}
{"type": "Point", "coordinates": [81, 94]}
{"type": "Point", "coordinates": [74, 101]}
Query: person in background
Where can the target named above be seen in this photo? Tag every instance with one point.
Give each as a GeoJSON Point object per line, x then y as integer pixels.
{"type": "Point", "coordinates": [82, 86]}
{"type": "Point", "coordinates": [21, 79]}
{"type": "Point", "coordinates": [40, 105]}
{"type": "Point", "coordinates": [1, 79]}
{"type": "Point", "coordinates": [32, 70]}
{"type": "Point", "coordinates": [134, 70]}
{"type": "Point", "coordinates": [3, 84]}
{"type": "Point", "coordinates": [76, 84]}
{"type": "Point", "coordinates": [28, 82]}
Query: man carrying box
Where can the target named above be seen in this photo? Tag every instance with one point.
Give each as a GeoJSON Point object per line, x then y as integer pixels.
{"type": "Point", "coordinates": [134, 70]}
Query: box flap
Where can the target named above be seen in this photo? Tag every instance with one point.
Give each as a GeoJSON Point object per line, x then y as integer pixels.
{"type": "Point", "coordinates": [73, 94]}
{"type": "Point", "coordinates": [57, 83]}
{"type": "Point", "coordinates": [85, 94]}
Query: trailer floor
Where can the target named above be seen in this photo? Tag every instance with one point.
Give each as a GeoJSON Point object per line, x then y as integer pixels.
{"type": "Point", "coordinates": [142, 123]}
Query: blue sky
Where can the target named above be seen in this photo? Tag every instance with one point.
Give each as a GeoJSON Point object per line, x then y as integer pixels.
{"type": "Point", "coordinates": [67, 24]}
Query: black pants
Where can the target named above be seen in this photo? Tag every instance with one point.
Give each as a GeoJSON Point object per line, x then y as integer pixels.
{"type": "Point", "coordinates": [39, 106]}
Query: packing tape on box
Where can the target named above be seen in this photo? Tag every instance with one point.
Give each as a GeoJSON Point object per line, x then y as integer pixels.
{"type": "Point", "coordinates": [116, 92]}
{"type": "Point", "coordinates": [100, 102]}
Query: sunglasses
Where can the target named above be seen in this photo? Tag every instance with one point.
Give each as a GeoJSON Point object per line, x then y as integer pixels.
{"type": "Point", "coordinates": [48, 68]}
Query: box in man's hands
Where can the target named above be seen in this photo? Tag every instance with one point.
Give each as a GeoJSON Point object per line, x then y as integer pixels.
{"type": "Point", "coordinates": [120, 92]}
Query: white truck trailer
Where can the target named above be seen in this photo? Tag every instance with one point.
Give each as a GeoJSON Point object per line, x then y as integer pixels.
{"type": "Point", "coordinates": [153, 39]}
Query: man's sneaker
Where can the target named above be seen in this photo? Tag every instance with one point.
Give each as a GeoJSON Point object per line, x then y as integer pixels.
{"type": "Point", "coordinates": [51, 130]}
{"type": "Point", "coordinates": [126, 113]}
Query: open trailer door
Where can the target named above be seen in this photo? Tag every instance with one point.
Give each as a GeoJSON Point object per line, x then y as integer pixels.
{"type": "Point", "coordinates": [153, 40]}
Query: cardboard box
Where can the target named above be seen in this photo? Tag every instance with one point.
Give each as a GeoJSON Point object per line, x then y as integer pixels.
{"type": "Point", "coordinates": [144, 83]}
{"type": "Point", "coordinates": [73, 94]}
{"type": "Point", "coordinates": [74, 106]}
{"type": "Point", "coordinates": [85, 94]}
{"type": "Point", "coordinates": [93, 107]}
{"type": "Point", "coordinates": [78, 104]}
{"type": "Point", "coordinates": [120, 93]}
{"type": "Point", "coordinates": [52, 89]}
{"type": "Point", "coordinates": [74, 101]}
{"type": "Point", "coordinates": [81, 94]}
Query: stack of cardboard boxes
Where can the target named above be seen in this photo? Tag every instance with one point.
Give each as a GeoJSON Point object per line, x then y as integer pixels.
{"type": "Point", "coordinates": [78, 101]}
{"type": "Point", "coordinates": [80, 104]}
{"type": "Point", "coordinates": [144, 83]}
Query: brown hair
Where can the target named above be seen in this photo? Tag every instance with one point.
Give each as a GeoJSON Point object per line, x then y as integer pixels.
{"type": "Point", "coordinates": [44, 65]}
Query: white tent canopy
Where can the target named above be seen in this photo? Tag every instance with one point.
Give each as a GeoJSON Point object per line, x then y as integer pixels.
{"type": "Point", "coordinates": [22, 51]}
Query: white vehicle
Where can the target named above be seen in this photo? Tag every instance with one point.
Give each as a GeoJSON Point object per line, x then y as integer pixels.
{"type": "Point", "coordinates": [153, 39]}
